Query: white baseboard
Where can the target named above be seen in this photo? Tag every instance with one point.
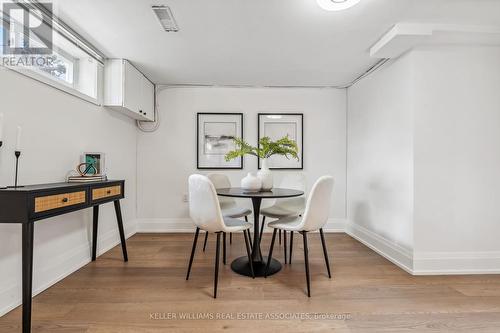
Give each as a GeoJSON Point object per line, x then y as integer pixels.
{"type": "Point", "coordinates": [393, 252]}
{"type": "Point", "coordinates": [181, 225]}
{"type": "Point", "coordinates": [61, 266]}
{"type": "Point", "coordinates": [335, 225]}
{"type": "Point", "coordinates": [453, 263]}
{"type": "Point", "coordinates": [161, 225]}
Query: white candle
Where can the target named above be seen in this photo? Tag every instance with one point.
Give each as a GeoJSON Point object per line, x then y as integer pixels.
{"type": "Point", "coordinates": [1, 126]}
{"type": "Point", "coordinates": [18, 141]}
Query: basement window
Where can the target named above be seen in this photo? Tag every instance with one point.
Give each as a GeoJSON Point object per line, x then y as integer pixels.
{"type": "Point", "coordinates": [67, 62]}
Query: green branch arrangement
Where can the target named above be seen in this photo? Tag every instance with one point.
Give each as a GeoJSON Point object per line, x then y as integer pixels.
{"type": "Point", "coordinates": [267, 148]}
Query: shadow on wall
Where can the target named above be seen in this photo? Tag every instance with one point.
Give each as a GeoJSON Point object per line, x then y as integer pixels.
{"type": "Point", "coordinates": [362, 214]}
{"type": "Point", "coordinates": [10, 243]}
{"type": "Point", "coordinates": [384, 207]}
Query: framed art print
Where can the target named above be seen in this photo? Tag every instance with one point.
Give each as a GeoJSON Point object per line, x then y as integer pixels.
{"type": "Point", "coordinates": [215, 134]}
{"type": "Point", "coordinates": [97, 160]}
{"type": "Point", "coordinates": [277, 125]}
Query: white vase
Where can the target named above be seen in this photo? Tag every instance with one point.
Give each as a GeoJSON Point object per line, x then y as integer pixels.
{"type": "Point", "coordinates": [251, 183]}
{"type": "Point", "coordinates": [266, 176]}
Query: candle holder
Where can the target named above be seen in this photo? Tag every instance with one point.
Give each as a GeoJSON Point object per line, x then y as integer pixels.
{"type": "Point", "coordinates": [2, 187]}
{"type": "Point", "coordinates": [17, 153]}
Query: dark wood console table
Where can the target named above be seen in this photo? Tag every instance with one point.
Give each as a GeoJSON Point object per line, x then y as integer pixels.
{"type": "Point", "coordinates": [28, 204]}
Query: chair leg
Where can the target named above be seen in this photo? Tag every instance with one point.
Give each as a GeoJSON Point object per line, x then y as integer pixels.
{"type": "Point", "coordinates": [249, 253]}
{"type": "Point", "coordinates": [230, 238]}
{"type": "Point", "coordinates": [205, 242]}
{"type": "Point", "coordinates": [192, 252]}
{"type": "Point", "coordinates": [249, 237]}
{"type": "Point", "coordinates": [262, 226]}
{"type": "Point", "coordinates": [280, 236]}
{"type": "Point", "coordinates": [224, 248]}
{"type": "Point", "coordinates": [325, 253]}
{"type": "Point", "coordinates": [306, 260]}
{"type": "Point", "coordinates": [291, 247]}
{"type": "Point", "coordinates": [284, 245]}
{"type": "Point", "coordinates": [217, 254]}
{"type": "Point", "coordinates": [270, 257]}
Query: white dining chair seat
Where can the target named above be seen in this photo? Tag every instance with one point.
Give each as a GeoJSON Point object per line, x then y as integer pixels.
{"type": "Point", "coordinates": [291, 223]}
{"type": "Point", "coordinates": [276, 212]}
{"type": "Point", "coordinates": [235, 211]}
{"type": "Point", "coordinates": [235, 225]}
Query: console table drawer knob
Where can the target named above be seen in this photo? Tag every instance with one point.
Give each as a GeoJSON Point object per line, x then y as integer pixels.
{"type": "Point", "coordinates": [65, 200]}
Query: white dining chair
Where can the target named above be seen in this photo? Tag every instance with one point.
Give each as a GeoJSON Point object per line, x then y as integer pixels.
{"type": "Point", "coordinates": [205, 211]}
{"type": "Point", "coordinates": [286, 207]}
{"type": "Point", "coordinates": [314, 218]}
{"type": "Point", "coordinates": [229, 208]}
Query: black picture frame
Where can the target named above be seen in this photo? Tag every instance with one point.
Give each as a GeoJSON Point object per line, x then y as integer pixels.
{"type": "Point", "coordinates": [301, 149]}
{"type": "Point", "coordinates": [240, 167]}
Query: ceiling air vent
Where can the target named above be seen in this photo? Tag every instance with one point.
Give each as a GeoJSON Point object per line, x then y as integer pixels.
{"type": "Point", "coordinates": [164, 15]}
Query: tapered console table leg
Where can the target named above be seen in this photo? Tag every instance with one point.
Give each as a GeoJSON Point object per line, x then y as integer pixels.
{"type": "Point", "coordinates": [120, 228]}
{"type": "Point", "coordinates": [241, 265]}
{"type": "Point", "coordinates": [256, 255]}
{"type": "Point", "coordinates": [27, 258]}
{"type": "Point", "coordinates": [94, 232]}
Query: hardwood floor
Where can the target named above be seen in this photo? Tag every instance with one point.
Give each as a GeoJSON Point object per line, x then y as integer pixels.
{"type": "Point", "coordinates": [367, 293]}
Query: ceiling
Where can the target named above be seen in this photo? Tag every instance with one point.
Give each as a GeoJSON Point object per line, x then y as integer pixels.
{"type": "Point", "coordinates": [256, 42]}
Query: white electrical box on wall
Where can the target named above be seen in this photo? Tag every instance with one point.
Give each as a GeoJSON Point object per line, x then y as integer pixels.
{"type": "Point", "coordinates": [127, 90]}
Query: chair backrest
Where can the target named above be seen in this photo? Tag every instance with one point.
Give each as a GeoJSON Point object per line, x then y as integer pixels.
{"type": "Point", "coordinates": [318, 204]}
{"type": "Point", "coordinates": [204, 207]}
{"type": "Point", "coordinates": [295, 181]}
{"type": "Point", "coordinates": [222, 181]}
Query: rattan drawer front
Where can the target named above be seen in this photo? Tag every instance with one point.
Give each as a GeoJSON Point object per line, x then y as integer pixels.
{"type": "Point", "coordinates": [106, 192]}
{"type": "Point", "coordinates": [50, 202]}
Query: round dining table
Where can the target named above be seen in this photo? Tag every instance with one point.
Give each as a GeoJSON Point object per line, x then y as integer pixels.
{"type": "Point", "coordinates": [241, 264]}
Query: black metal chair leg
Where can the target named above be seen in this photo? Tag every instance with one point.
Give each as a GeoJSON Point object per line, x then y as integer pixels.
{"type": "Point", "coordinates": [249, 253]}
{"type": "Point", "coordinates": [217, 254]}
{"type": "Point", "coordinates": [192, 252]}
{"type": "Point", "coordinates": [306, 260]}
{"type": "Point", "coordinates": [262, 226]}
{"type": "Point", "coordinates": [291, 247]}
{"type": "Point", "coordinates": [284, 244]}
{"type": "Point", "coordinates": [270, 257]}
{"type": "Point", "coordinates": [280, 236]}
{"type": "Point", "coordinates": [224, 248]}
{"type": "Point", "coordinates": [205, 242]}
{"type": "Point", "coordinates": [230, 238]}
{"type": "Point", "coordinates": [325, 253]}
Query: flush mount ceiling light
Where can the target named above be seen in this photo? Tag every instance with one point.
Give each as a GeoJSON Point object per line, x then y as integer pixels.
{"type": "Point", "coordinates": [336, 5]}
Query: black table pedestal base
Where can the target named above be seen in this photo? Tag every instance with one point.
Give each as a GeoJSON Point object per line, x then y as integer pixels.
{"type": "Point", "coordinates": [242, 267]}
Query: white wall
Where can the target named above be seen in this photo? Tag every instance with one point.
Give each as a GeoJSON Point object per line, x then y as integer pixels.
{"type": "Point", "coordinates": [457, 158]}
{"type": "Point", "coordinates": [380, 156]}
{"type": "Point", "coordinates": [57, 128]}
{"type": "Point", "coordinates": [423, 160]}
{"type": "Point", "coordinates": [168, 156]}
